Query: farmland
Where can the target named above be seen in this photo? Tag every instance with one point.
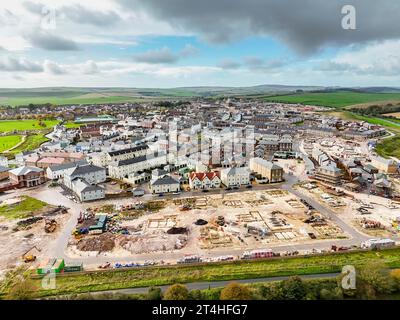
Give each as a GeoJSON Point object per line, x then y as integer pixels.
{"type": "Point", "coordinates": [22, 125]}
{"type": "Point", "coordinates": [334, 99]}
{"type": "Point", "coordinates": [7, 142]}
{"type": "Point", "coordinates": [156, 276]}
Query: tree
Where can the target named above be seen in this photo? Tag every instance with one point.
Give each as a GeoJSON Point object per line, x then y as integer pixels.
{"type": "Point", "coordinates": [375, 278]}
{"type": "Point", "coordinates": [176, 292]}
{"type": "Point", "coordinates": [331, 294]}
{"type": "Point", "coordinates": [235, 291]}
{"type": "Point", "coordinates": [154, 294]}
{"type": "Point", "coordinates": [292, 289]}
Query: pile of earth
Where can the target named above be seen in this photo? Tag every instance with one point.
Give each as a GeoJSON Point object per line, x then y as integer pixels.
{"type": "Point", "coordinates": [101, 243]}
{"type": "Point", "coordinates": [201, 222]}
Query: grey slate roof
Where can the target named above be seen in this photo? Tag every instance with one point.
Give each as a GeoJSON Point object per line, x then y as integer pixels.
{"type": "Point", "coordinates": [68, 165]}
{"type": "Point", "coordinates": [129, 150]}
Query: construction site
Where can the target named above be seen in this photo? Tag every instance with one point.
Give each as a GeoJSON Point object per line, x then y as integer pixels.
{"type": "Point", "coordinates": [372, 215]}
{"type": "Point", "coordinates": [199, 225]}
{"type": "Point", "coordinates": [26, 238]}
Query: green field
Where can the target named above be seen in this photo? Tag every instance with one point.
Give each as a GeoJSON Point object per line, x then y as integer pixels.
{"type": "Point", "coordinates": [334, 99]}
{"type": "Point", "coordinates": [156, 276]}
{"type": "Point", "coordinates": [389, 147]}
{"type": "Point", "coordinates": [22, 209]}
{"type": "Point", "coordinates": [7, 142]}
{"type": "Point", "coordinates": [31, 142]}
{"type": "Point", "coordinates": [11, 125]}
{"type": "Point", "coordinates": [72, 125]}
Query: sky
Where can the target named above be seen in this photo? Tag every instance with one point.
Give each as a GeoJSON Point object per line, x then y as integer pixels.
{"type": "Point", "coordinates": [177, 43]}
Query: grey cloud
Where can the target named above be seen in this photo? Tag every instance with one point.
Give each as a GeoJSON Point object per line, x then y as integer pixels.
{"type": "Point", "coordinates": [90, 67]}
{"type": "Point", "coordinates": [53, 68]}
{"type": "Point", "coordinates": [228, 64]}
{"type": "Point", "coordinates": [304, 25]}
{"type": "Point", "coordinates": [377, 68]}
{"type": "Point", "coordinates": [82, 15]}
{"type": "Point", "coordinates": [78, 14]}
{"type": "Point", "coordinates": [11, 64]}
{"type": "Point", "coordinates": [48, 41]}
{"type": "Point", "coordinates": [157, 56]}
{"type": "Point", "coordinates": [189, 50]}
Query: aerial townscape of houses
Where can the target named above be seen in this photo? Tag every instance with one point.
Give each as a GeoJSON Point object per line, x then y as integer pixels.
{"type": "Point", "coordinates": [167, 150]}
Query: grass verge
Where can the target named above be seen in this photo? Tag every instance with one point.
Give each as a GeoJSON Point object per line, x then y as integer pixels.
{"type": "Point", "coordinates": [156, 276]}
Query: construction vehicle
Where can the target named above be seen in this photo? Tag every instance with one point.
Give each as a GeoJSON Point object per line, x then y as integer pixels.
{"type": "Point", "coordinates": [28, 257]}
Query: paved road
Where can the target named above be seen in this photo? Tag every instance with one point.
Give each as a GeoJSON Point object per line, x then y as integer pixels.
{"type": "Point", "coordinates": [219, 284]}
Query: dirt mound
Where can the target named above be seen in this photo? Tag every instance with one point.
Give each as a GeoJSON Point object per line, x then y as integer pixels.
{"type": "Point", "coordinates": [177, 230]}
{"type": "Point", "coordinates": [101, 243]}
{"type": "Point", "coordinates": [201, 222]}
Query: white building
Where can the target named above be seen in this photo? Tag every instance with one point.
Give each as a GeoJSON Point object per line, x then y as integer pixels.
{"type": "Point", "coordinates": [90, 173]}
{"type": "Point", "coordinates": [204, 180]}
{"type": "Point", "coordinates": [235, 176]}
{"type": "Point", "coordinates": [165, 184]}
{"type": "Point", "coordinates": [87, 192]}
{"type": "Point", "coordinates": [103, 159]}
{"type": "Point", "coordinates": [57, 172]}
{"type": "Point", "coordinates": [3, 161]}
{"type": "Point", "coordinates": [123, 168]}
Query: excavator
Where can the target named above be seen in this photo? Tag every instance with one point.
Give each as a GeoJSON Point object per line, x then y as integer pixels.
{"type": "Point", "coordinates": [27, 257]}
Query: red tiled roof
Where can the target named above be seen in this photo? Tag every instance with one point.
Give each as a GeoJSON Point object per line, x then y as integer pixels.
{"type": "Point", "coordinates": [202, 175]}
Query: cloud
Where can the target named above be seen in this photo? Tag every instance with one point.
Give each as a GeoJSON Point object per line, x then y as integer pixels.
{"type": "Point", "coordinates": [189, 50]}
{"type": "Point", "coordinates": [304, 25]}
{"type": "Point", "coordinates": [164, 55]}
{"type": "Point", "coordinates": [228, 64]}
{"type": "Point", "coordinates": [11, 64]}
{"type": "Point", "coordinates": [47, 41]}
{"type": "Point", "coordinates": [53, 68]}
{"type": "Point", "coordinates": [90, 67]}
{"type": "Point", "coordinates": [377, 59]}
{"type": "Point", "coordinates": [77, 13]}
{"type": "Point", "coordinates": [82, 15]}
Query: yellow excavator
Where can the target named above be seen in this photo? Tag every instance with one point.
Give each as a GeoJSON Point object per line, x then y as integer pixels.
{"type": "Point", "coordinates": [29, 257]}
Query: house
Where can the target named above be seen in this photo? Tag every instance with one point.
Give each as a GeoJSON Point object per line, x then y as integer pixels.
{"type": "Point", "coordinates": [384, 165]}
{"type": "Point", "coordinates": [103, 159]}
{"type": "Point", "coordinates": [165, 184]}
{"type": "Point", "coordinates": [57, 172]}
{"type": "Point", "coordinates": [329, 173]}
{"type": "Point", "coordinates": [90, 173]}
{"type": "Point", "coordinates": [123, 168]}
{"type": "Point", "coordinates": [204, 180]}
{"type": "Point", "coordinates": [235, 176]}
{"type": "Point", "coordinates": [3, 161]}
{"type": "Point", "coordinates": [266, 169]}
{"type": "Point", "coordinates": [27, 176]}
{"type": "Point", "coordinates": [3, 172]}
{"type": "Point", "coordinates": [85, 191]}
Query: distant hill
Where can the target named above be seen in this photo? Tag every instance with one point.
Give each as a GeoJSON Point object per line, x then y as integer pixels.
{"type": "Point", "coordinates": [98, 95]}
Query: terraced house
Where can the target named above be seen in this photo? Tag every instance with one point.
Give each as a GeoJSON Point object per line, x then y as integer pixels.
{"type": "Point", "coordinates": [204, 180]}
